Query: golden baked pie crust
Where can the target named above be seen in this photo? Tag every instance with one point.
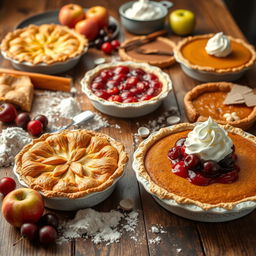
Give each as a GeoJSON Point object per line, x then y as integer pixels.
{"type": "Point", "coordinates": [194, 116]}
{"type": "Point", "coordinates": [162, 64]}
{"type": "Point", "coordinates": [71, 164]}
{"type": "Point", "coordinates": [44, 44]}
{"type": "Point", "coordinates": [163, 193]}
{"type": "Point", "coordinates": [17, 90]}
{"type": "Point", "coordinates": [185, 61]}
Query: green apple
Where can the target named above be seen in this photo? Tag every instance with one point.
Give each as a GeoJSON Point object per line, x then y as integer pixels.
{"type": "Point", "coordinates": [182, 22]}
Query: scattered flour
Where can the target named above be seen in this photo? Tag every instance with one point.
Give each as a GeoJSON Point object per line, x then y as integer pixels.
{"type": "Point", "coordinates": [68, 108]}
{"type": "Point", "coordinates": [156, 240]}
{"type": "Point", "coordinates": [100, 227]}
{"type": "Point", "coordinates": [12, 141]}
{"type": "Point", "coordinates": [158, 229]}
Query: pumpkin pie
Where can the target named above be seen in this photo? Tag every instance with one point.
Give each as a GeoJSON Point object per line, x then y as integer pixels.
{"type": "Point", "coordinates": [208, 100]}
{"type": "Point", "coordinates": [71, 164]}
{"type": "Point", "coordinates": [191, 52]}
{"type": "Point", "coordinates": [44, 44]}
{"type": "Point", "coordinates": [158, 52]}
{"type": "Point", "coordinates": [155, 168]}
{"type": "Point", "coordinates": [17, 90]}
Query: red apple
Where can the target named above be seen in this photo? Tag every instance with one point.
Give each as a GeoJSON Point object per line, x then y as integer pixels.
{"type": "Point", "coordinates": [100, 14]}
{"type": "Point", "coordinates": [23, 205]}
{"type": "Point", "coordinates": [70, 14]}
{"type": "Point", "coordinates": [88, 28]}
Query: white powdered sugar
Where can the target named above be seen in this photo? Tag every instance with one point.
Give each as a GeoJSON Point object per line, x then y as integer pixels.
{"type": "Point", "coordinates": [100, 227]}
{"type": "Point", "coordinates": [156, 240]}
{"type": "Point", "coordinates": [12, 140]}
{"type": "Point", "coordinates": [68, 108]}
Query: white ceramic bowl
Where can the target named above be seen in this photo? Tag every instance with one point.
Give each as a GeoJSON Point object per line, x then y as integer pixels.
{"type": "Point", "coordinates": [126, 110]}
{"type": "Point", "coordinates": [66, 204]}
{"type": "Point", "coordinates": [192, 211]}
{"type": "Point", "coordinates": [55, 68]}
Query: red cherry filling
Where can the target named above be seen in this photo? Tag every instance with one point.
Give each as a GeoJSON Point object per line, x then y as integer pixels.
{"type": "Point", "coordinates": [130, 85]}
{"type": "Point", "coordinates": [200, 172]}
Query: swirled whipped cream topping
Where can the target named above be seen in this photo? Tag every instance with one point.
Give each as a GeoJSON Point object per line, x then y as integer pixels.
{"type": "Point", "coordinates": [143, 10]}
{"type": "Point", "coordinates": [218, 45]}
{"type": "Point", "coordinates": [209, 141]}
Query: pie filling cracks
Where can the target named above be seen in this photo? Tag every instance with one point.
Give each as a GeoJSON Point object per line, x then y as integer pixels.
{"type": "Point", "coordinates": [71, 163]}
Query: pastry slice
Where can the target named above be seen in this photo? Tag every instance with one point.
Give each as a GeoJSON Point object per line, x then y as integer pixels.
{"type": "Point", "coordinates": [17, 90]}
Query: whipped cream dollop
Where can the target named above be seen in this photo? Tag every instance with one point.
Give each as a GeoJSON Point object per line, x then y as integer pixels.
{"type": "Point", "coordinates": [143, 10]}
{"type": "Point", "coordinates": [218, 45]}
{"type": "Point", "coordinates": [209, 141]}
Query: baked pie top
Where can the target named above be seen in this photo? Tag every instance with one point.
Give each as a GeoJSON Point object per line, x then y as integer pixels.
{"type": "Point", "coordinates": [191, 52]}
{"type": "Point", "coordinates": [47, 43]}
{"type": "Point", "coordinates": [155, 167]}
{"type": "Point", "coordinates": [17, 90]}
{"type": "Point", "coordinates": [71, 164]}
{"type": "Point", "coordinates": [208, 99]}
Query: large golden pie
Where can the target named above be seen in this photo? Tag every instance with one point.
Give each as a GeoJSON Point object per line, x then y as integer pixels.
{"type": "Point", "coordinates": [71, 164]}
{"type": "Point", "coordinates": [208, 100]}
{"type": "Point", "coordinates": [191, 52]}
{"type": "Point", "coordinates": [44, 44]}
{"type": "Point", "coordinates": [154, 166]}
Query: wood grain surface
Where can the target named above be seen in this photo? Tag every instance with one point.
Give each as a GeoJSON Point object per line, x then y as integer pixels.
{"type": "Point", "coordinates": [183, 237]}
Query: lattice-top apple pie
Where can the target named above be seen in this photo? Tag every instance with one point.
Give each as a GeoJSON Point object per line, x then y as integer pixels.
{"type": "Point", "coordinates": [44, 44]}
{"type": "Point", "coordinates": [71, 164]}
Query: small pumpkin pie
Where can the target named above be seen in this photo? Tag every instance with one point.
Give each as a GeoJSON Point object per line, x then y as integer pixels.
{"type": "Point", "coordinates": [44, 44]}
{"type": "Point", "coordinates": [209, 100]}
{"type": "Point", "coordinates": [158, 52]}
{"type": "Point", "coordinates": [206, 165]}
{"type": "Point", "coordinates": [17, 90]}
{"type": "Point", "coordinates": [71, 164]}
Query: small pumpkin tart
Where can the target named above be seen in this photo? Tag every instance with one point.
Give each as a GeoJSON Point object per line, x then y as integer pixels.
{"type": "Point", "coordinates": [192, 53]}
{"type": "Point", "coordinates": [71, 164]}
{"type": "Point", "coordinates": [208, 100]}
{"type": "Point", "coordinates": [224, 181]}
{"type": "Point", "coordinates": [158, 52]}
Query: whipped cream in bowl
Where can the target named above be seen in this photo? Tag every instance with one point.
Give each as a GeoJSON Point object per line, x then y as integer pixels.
{"type": "Point", "coordinates": [219, 45]}
{"type": "Point", "coordinates": [143, 10]}
{"type": "Point", "coordinates": [209, 140]}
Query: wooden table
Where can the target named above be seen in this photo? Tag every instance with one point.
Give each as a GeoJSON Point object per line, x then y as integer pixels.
{"type": "Point", "coordinates": [193, 238]}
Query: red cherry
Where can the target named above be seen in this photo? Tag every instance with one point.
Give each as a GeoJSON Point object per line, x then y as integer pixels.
{"type": "Point", "coordinates": [106, 74]}
{"type": "Point", "coordinates": [47, 235]}
{"type": "Point", "coordinates": [99, 79]}
{"type": "Point", "coordinates": [112, 83]}
{"type": "Point", "coordinates": [228, 177]}
{"type": "Point", "coordinates": [191, 161]}
{"type": "Point", "coordinates": [156, 84]}
{"type": "Point", "coordinates": [102, 94]}
{"type": "Point", "coordinates": [119, 77]}
{"type": "Point", "coordinates": [180, 169]}
{"type": "Point", "coordinates": [115, 44]}
{"type": "Point", "coordinates": [134, 90]}
{"type": "Point", "coordinates": [7, 185]}
{"type": "Point", "coordinates": [127, 86]}
{"type": "Point", "coordinates": [150, 91]}
{"type": "Point", "coordinates": [121, 70]}
{"type": "Point", "coordinates": [43, 119]}
{"type": "Point", "coordinates": [8, 113]}
{"type": "Point", "coordinates": [211, 168]}
{"type": "Point", "coordinates": [133, 80]}
{"type": "Point", "coordinates": [117, 98]}
{"type": "Point", "coordinates": [29, 230]}
{"type": "Point", "coordinates": [126, 94]}
{"type": "Point", "coordinates": [22, 120]}
{"type": "Point", "coordinates": [113, 91]}
{"type": "Point", "coordinates": [138, 72]}
{"type": "Point", "coordinates": [174, 153]}
{"type": "Point", "coordinates": [150, 77]}
{"type": "Point", "coordinates": [35, 127]}
{"type": "Point", "coordinates": [142, 86]}
{"type": "Point", "coordinates": [130, 100]}
{"type": "Point", "coordinates": [107, 48]}
{"type": "Point", "coordinates": [183, 148]}
{"type": "Point", "coordinates": [199, 179]}
{"type": "Point", "coordinates": [97, 86]}
{"type": "Point", "coordinates": [146, 97]}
